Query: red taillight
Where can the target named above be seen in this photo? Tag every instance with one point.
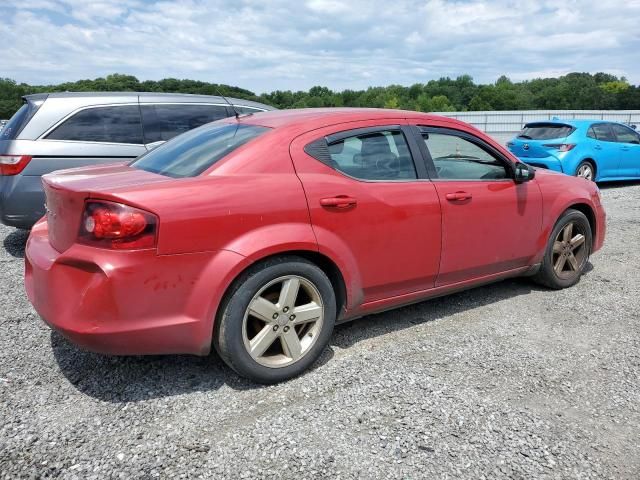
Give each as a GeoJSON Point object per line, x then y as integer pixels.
{"type": "Point", "coordinates": [563, 147]}
{"type": "Point", "coordinates": [117, 226]}
{"type": "Point", "coordinates": [13, 164]}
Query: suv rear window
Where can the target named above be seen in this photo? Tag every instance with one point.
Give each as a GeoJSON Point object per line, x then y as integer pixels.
{"type": "Point", "coordinates": [18, 121]}
{"type": "Point", "coordinates": [191, 153]}
{"type": "Point", "coordinates": [117, 124]}
{"type": "Point", "coordinates": [545, 131]}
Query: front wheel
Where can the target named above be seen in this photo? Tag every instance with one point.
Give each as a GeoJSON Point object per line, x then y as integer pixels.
{"type": "Point", "coordinates": [567, 251]}
{"type": "Point", "coordinates": [586, 170]}
{"type": "Point", "coordinates": [277, 320]}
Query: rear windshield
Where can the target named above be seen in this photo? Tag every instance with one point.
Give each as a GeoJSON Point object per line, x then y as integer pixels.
{"type": "Point", "coordinates": [545, 131]}
{"type": "Point", "coordinates": [17, 122]}
{"type": "Point", "coordinates": [193, 152]}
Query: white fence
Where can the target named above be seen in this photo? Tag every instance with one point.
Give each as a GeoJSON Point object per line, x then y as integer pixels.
{"type": "Point", "coordinates": [504, 125]}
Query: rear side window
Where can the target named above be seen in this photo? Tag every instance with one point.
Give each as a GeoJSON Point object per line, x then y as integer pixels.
{"type": "Point", "coordinates": [603, 132]}
{"type": "Point", "coordinates": [545, 131]}
{"type": "Point", "coordinates": [18, 121]}
{"type": "Point", "coordinates": [242, 110]}
{"type": "Point", "coordinates": [193, 152]}
{"type": "Point", "coordinates": [624, 134]}
{"type": "Point", "coordinates": [118, 124]}
{"type": "Point", "coordinates": [382, 155]}
{"type": "Point", "coordinates": [163, 122]}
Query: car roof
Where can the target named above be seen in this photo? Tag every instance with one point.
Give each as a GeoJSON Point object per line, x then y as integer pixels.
{"type": "Point", "coordinates": [310, 117]}
{"type": "Point", "coordinates": [144, 97]}
{"type": "Point", "coordinates": [574, 122]}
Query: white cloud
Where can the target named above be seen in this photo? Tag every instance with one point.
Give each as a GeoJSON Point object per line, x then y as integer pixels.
{"type": "Point", "coordinates": [285, 45]}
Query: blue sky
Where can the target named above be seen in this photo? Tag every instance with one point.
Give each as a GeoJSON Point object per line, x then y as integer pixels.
{"type": "Point", "coordinates": [268, 45]}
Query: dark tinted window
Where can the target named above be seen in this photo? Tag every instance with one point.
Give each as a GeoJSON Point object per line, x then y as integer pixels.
{"type": "Point", "coordinates": [591, 133]}
{"type": "Point", "coordinates": [119, 124]}
{"type": "Point", "coordinates": [163, 122]}
{"type": "Point", "coordinates": [11, 130]}
{"type": "Point", "coordinates": [624, 134]}
{"type": "Point", "coordinates": [457, 158]}
{"type": "Point", "coordinates": [545, 131]}
{"type": "Point", "coordinates": [603, 132]}
{"type": "Point", "coordinates": [242, 110]}
{"type": "Point", "coordinates": [193, 152]}
{"type": "Point", "coordinates": [382, 155]}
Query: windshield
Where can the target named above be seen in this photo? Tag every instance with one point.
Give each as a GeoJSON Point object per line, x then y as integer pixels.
{"type": "Point", "coordinates": [545, 131]}
{"type": "Point", "coordinates": [193, 152]}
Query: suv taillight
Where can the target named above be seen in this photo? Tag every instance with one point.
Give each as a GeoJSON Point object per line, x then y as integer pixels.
{"type": "Point", "coordinates": [13, 164]}
{"type": "Point", "coordinates": [117, 226]}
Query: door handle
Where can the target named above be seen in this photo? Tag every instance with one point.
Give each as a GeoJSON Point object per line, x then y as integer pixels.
{"type": "Point", "coordinates": [625, 149]}
{"type": "Point", "coordinates": [458, 196]}
{"type": "Point", "coordinates": [598, 147]}
{"type": "Point", "coordinates": [339, 201]}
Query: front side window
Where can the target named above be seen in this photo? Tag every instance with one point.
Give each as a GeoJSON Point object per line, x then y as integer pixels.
{"type": "Point", "coordinates": [193, 152]}
{"type": "Point", "coordinates": [380, 155]}
{"type": "Point", "coordinates": [117, 124]}
{"type": "Point", "coordinates": [603, 132]}
{"type": "Point", "coordinates": [624, 134]}
{"type": "Point", "coordinates": [456, 158]}
{"type": "Point", "coordinates": [163, 122]}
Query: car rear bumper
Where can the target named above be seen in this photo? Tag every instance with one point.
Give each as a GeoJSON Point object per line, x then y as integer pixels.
{"type": "Point", "coordinates": [550, 163]}
{"type": "Point", "coordinates": [21, 200]}
{"type": "Point", "coordinates": [127, 303]}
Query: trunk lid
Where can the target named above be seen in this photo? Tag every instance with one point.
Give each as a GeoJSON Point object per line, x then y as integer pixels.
{"type": "Point", "coordinates": [67, 190]}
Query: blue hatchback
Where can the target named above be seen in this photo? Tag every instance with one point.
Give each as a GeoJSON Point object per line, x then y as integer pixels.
{"type": "Point", "coordinates": [593, 149]}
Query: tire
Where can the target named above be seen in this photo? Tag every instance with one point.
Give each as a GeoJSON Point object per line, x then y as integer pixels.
{"type": "Point", "coordinates": [268, 326]}
{"type": "Point", "coordinates": [587, 170]}
{"type": "Point", "coordinates": [554, 273]}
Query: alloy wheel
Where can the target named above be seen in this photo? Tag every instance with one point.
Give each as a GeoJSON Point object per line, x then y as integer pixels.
{"type": "Point", "coordinates": [569, 251]}
{"type": "Point", "coordinates": [585, 171]}
{"type": "Point", "coordinates": [283, 321]}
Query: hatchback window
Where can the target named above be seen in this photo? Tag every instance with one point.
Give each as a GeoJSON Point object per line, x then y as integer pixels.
{"type": "Point", "coordinates": [545, 131]}
{"type": "Point", "coordinates": [163, 122]}
{"type": "Point", "coordinates": [18, 121]}
{"type": "Point", "coordinates": [120, 124]}
{"type": "Point", "coordinates": [456, 158]}
{"type": "Point", "coordinates": [603, 132]}
{"type": "Point", "coordinates": [380, 155]}
{"type": "Point", "coordinates": [191, 153]}
{"type": "Point", "coordinates": [624, 134]}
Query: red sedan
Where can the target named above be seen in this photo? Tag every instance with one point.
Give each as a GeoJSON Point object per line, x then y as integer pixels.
{"type": "Point", "coordinates": [257, 234]}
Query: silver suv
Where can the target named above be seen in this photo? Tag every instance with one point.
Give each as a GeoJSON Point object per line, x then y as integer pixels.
{"type": "Point", "coordinates": [64, 130]}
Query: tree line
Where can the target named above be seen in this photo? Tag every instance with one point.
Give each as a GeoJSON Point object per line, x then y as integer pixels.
{"type": "Point", "coordinates": [579, 91]}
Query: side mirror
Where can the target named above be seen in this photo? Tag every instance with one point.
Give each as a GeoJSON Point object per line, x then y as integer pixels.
{"type": "Point", "coordinates": [524, 173]}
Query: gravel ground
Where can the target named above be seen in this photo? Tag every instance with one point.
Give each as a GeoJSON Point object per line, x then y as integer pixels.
{"type": "Point", "coordinates": [504, 381]}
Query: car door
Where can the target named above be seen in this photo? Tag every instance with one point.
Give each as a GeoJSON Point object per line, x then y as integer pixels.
{"type": "Point", "coordinates": [371, 206]}
{"type": "Point", "coordinates": [490, 224]}
{"type": "Point", "coordinates": [629, 150]}
{"type": "Point", "coordinates": [606, 150]}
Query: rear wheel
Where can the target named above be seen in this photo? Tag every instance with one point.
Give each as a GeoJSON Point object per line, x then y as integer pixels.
{"type": "Point", "coordinates": [567, 251]}
{"type": "Point", "coordinates": [587, 170]}
{"type": "Point", "coordinates": [277, 320]}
